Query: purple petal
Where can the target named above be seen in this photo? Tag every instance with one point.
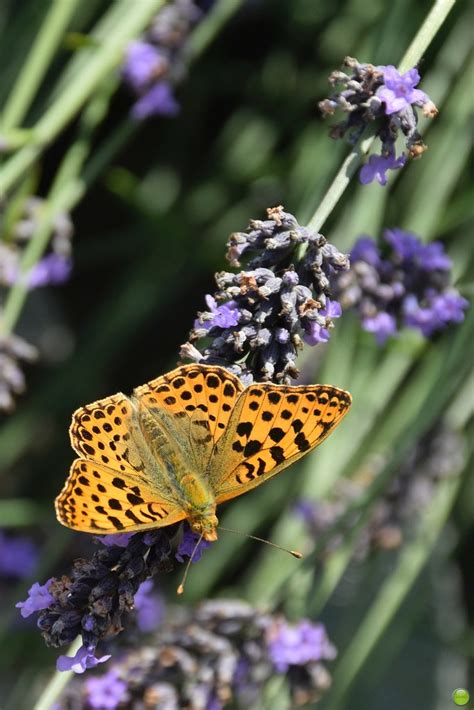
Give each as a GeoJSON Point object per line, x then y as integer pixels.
{"type": "Point", "coordinates": [158, 101]}
{"type": "Point", "coordinates": [84, 659]}
{"type": "Point", "coordinates": [38, 598]}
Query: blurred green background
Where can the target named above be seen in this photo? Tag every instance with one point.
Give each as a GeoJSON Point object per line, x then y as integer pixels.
{"type": "Point", "coordinates": [150, 232]}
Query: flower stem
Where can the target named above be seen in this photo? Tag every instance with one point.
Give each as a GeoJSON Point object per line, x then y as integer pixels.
{"type": "Point", "coordinates": [45, 45]}
{"type": "Point", "coordinates": [412, 56]}
{"type": "Point", "coordinates": [58, 682]}
{"type": "Point", "coordinates": [75, 94]}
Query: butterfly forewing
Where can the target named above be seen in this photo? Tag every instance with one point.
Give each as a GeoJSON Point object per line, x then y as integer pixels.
{"type": "Point", "coordinates": [273, 426]}
{"type": "Point", "coordinates": [211, 390]}
{"type": "Point", "coordinates": [117, 484]}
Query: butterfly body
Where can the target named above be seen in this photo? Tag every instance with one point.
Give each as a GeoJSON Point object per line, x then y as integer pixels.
{"type": "Point", "coordinates": [184, 443]}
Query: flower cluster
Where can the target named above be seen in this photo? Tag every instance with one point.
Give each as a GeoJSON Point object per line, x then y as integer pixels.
{"type": "Point", "coordinates": [259, 318]}
{"type": "Point", "coordinates": [92, 600]}
{"type": "Point", "coordinates": [55, 267]}
{"type": "Point", "coordinates": [216, 656]}
{"type": "Point", "coordinates": [154, 64]}
{"type": "Point", "coordinates": [378, 94]}
{"type": "Point", "coordinates": [402, 283]}
{"type": "Point", "coordinates": [438, 455]}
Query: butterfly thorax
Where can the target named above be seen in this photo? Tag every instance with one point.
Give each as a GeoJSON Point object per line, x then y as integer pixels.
{"type": "Point", "coordinates": [201, 506]}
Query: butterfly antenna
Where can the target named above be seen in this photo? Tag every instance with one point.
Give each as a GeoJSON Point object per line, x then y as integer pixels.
{"type": "Point", "coordinates": [180, 589]}
{"type": "Point", "coordinates": [295, 553]}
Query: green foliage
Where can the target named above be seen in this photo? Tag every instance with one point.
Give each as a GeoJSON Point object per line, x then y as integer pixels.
{"type": "Point", "coordinates": [152, 207]}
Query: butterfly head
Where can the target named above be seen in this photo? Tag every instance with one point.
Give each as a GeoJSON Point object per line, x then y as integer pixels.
{"type": "Point", "coordinates": [205, 525]}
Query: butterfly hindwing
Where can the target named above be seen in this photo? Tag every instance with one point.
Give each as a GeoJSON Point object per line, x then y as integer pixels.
{"type": "Point", "coordinates": [98, 499]}
{"type": "Point", "coordinates": [272, 426]}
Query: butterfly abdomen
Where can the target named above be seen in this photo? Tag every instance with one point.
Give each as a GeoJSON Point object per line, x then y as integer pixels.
{"type": "Point", "coordinates": [201, 506]}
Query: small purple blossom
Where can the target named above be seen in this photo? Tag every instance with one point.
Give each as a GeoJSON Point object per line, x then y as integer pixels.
{"type": "Point", "coordinates": [223, 316]}
{"type": "Point", "coordinates": [188, 543]}
{"type": "Point", "coordinates": [84, 659]}
{"type": "Point", "coordinates": [377, 166]}
{"type": "Point", "coordinates": [382, 325]}
{"type": "Point", "coordinates": [117, 539]}
{"type": "Point", "coordinates": [38, 598]}
{"type": "Point", "coordinates": [157, 101]}
{"type": "Point", "coordinates": [149, 607]}
{"type": "Point", "coordinates": [365, 249]}
{"type": "Point", "coordinates": [143, 64]}
{"type": "Point", "coordinates": [18, 556]}
{"type": "Point", "coordinates": [106, 692]}
{"type": "Point", "coordinates": [297, 645]}
{"type": "Point", "coordinates": [317, 332]}
{"type": "Point", "coordinates": [398, 91]}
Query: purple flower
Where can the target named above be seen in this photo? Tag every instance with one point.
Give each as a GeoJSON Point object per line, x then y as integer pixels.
{"type": "Point", "coordinates": [188, 543]}
{"type": "Point", "coordinates": [158, 101]}
{"type": "Point", "coordinates": [143, 64]}
{"type": "Point", "coordinates": [365, 249]}
{"type": "Point", "coordinates": [315, 333]}
{"type": "Point", "coordinates": [297, 645]}
{"type": "Point", "coordinates": [38, 598]}
{"type": "Point", "coordinates": [432, 257]}
{"type": "Point", "coordinates": [450, 307]}
{"type": "Point", "coordinates": [406, 246]}
{"type": "Point", "coordinates": [18, 556]}
{"type": "Point", "coordinates": [106, 692]}
{"type": "Point", "coordinates": [282, 335]}
{"type": "Point", "coordinates": [85, 658]}
{"type": "Point", "coordinates": [382, 325]}
{"type": "Point", "coordinates": [224, 316]}
{"type": "Point", "coordinates": [377, 166]}
{"type": "Point", "coordinates": [149, 607]}
{"type": "Point", "coordinates": [117, 539]}
{"type": "Point", "coordinates": [398, 92]}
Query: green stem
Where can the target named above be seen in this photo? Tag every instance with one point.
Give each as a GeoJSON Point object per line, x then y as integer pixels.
{"type": "Point", "coordinates": [73, 96]}
{"type": "Point", "coordinates": [47, 41]}
{"type": "Point", "coordinates": [58, 682]}
{"type": "Point", "coordinates": [383, 609]}
{"type": "Point", "coordinates": [65, 192]}
{"type": "Point", "coordinates": [412, 56]}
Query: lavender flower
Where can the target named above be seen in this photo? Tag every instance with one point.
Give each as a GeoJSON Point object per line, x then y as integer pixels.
{"type": "Point", "coordinates": [39, 597]}
{"type": "Point", "coordinates": [382, 95]}
{"type": "Point", "coordinates": [216, 656]}
{"type": "Point", "coordinates": [402, 283]}
{"type": "Point", "coordinates": [154, 64]}
{"type": "Point", "coordinates": [187, 546]}
{"type": "Point", "coordinates": [398, 91]}
{"type": "Point", "coordinates": [18, 556]}
{"type": "Point", "coordinates": [298, 645]}
{"type": "Point", "coordinates": [280, 299]}
{"type": "Point", "coordinates": [106, 692]}
{"type": "Point", "coordinates": [92, 600]}
{"type": "Point", "coordinates": [149, 607]}
{"type": "Point", "coordinates": [84, 659]}
{"type": "Point", "coordinates": [377, 166]}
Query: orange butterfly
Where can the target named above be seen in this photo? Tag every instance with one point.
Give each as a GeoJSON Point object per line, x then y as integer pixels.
{"type": "Point", "coordinates": [184, 443]}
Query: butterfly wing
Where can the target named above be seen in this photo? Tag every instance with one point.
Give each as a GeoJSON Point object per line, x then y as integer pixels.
{"type": "Point", "coordinates": [200, 400]}
{"type": "Point", "coordinates": [97, 499]}
{"type": "Point", "coordinates": [271, 427]}
{"type": "Point", "coordinates": [116, 484]}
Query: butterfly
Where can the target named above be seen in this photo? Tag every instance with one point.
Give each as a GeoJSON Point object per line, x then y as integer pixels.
{"type": "Point", "coordinates": [184, 443]}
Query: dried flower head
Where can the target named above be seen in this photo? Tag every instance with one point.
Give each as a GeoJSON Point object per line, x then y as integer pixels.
{"type": "Point", "coordinates": [381, 96]}
{"type": "Point", "coordinates": [260, 317]}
